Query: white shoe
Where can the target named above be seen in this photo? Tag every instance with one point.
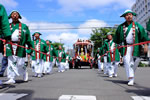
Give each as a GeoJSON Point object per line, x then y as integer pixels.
{"type": "Point", "coordinates": [131, 82]}
{"type": "Point", "coordinates": [115, 75]}
{"type": "Point", "coordinates": [62, 71]}
{"type": "Point", "coordinates": [25, 77]}
{"type": "Point", "coordinates": [59, 71]}
{"type": "Point", "coordinates": [10, 81]}
{"type": "Point", "coordinates": [39, 76]}
{"type": "Point", "coordinates": [110, 76]}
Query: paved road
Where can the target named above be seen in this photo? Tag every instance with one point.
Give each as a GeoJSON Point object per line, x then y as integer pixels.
{"type": "Point", "coordinates": [79, 82]}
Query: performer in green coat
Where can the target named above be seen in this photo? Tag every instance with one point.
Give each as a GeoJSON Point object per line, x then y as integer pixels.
{"type": "Point", "coordinates": [48, 59]}
{"type": "Point", "coordinates": [104, 50]}
{"type": "Point", "coordinates": [68, 58]}
{"type": "Point", "coordinates": [129, 33]}
{"type": "Point", "coordinates": [37, 58]}
{"type": "Point", "coordinates": [113, 57]}
{"type": "Point", "coordinates": [61, 58]}
{"type": "Point", "coordinates": [16, 55]}
{"type": "Point", "coordinates": [5, 32]}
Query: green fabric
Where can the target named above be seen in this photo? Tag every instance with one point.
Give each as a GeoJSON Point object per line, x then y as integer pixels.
{"type": "Point", "coordinates": [4, 26]}
{"type": "Point", "coordinates": [52, 52]}
{"type": "Point", "coordinates": [117, 56]}
{"type": "Point", "coordinates": [25, 39]}
{"type": "Point", "coordinates": [109, 33]}
{"type": "Point", "coordinates": [140, 36]}
{"type": "Point", "coordinates": [35, 33]}
{"type": "Point", "coordinates": [43, 48]}
{"type": "Point", "coordinates": [148, 25]}
{"type": "Point", "coordinates": [63, 55]}
{"type": "Point", "coordinates": [67, 55]}
{"type": "Point", "coordinates": [14, 11]}
{"type": "Point", "coordinates": [126, 12]}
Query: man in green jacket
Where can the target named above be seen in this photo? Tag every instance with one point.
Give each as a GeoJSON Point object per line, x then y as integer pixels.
{"type": "Point", "coordinates": [37, 58]}
{"type": "Point", "coordinates": [129, 33]}
{"type": "Point", "coordinates": [113, 56]}
{"type": "Point", "coordinates": [61, 58]}
{"type": "Point", "coordinates": [68, 58]}
{"type": "Point", "coordinates": [16, 55]}
{"type": "Point", "coordinates": [48, 59]}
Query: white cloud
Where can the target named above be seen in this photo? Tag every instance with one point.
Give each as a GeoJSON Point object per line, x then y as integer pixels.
{"type": "Point", "coordinates": [47, 27]}
{"type": "Point", "coordinates": [89, 24]}
{"type": "Point", "coordinates": [67, 38]}
{"type": "Point", "coordinates": [80, 5]}
{"type": "Point", "coordinates": [9, 3]}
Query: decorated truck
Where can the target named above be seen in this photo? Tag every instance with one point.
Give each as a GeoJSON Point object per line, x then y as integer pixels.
{"type": "Point", "coordinates": [83, 53]}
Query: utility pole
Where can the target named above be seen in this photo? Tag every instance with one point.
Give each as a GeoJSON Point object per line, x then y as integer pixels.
{"type": "Point", "coordinates": [60, 40]}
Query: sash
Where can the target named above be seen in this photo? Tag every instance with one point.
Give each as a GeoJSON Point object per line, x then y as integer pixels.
{"type": "Point", "coordinates": [48, 56]}
{"type": "Point", "coordinates": [126, 33]}
{"type": "Point", "coordinates": [37, 54]}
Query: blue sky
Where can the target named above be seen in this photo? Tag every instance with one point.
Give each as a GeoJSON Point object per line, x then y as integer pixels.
{"type": "Point", "coordinates": [48, 16]}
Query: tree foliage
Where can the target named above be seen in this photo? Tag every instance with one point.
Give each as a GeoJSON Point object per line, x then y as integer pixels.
{"type": "Point", "coordinates": [56, 44]}
{"type": "Point", "coordinates": [99, 35]}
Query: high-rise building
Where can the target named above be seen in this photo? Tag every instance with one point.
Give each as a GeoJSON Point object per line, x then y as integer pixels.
{"type": "Point", "coordinates": [142, 9]}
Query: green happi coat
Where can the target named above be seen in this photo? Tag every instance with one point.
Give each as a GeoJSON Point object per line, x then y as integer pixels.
{"type": "Point", "coordinates": [97, 54]}
{"type": "Point", "coordinates": [140, 36]}
{"type": "Point", "coordinates": [51, 50]}
{"type": "Point", "coordinates": [25, 39]}
{"type": "Point", "coordinates": [43, 48]}
{"type": "Point", "coordinates": [63, 56]}
{"type": "Point", "coordinates": [69, 57]}
{"type": "Point", "coordinates": [116, 52]}
{"type": "Point", "coordinates": [4, 26]}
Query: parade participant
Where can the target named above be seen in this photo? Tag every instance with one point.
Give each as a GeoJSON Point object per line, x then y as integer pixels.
{"type": "Point", "coordinates": [60, 54]}
{"type": "Point", "coordinates": [16, 55]}
{"type": "Point", "coordinates": [5, 32]}
{"type": "Point", "coordinates": [129, 33]}
{"type": "Point", "coordinates": [97, 58]}
{"type": "Point", "coordinates": [104, 49]}
{"type": "Point", "coordinates": [37, 58]}
{"type": "Point", "coordinates": [113, 56]}
{"type": "Point", "coordinates": [68, 58]}
{"type": "Point", "coordinates": [48, 64]}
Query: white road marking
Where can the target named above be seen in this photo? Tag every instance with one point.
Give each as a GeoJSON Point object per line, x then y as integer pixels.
{"type": "Point", "coordinates": [140, 97]}
{"type": "Point", "coordinates": [77, 97]}
{"type": "Point", "coordinates": [11, 96]}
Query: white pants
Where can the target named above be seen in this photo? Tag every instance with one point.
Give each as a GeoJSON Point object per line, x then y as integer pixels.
{"type": "Point", "coordinates": [129, 62]}
{"type": "Point", "coordinates": [105, 65]}
{"type": "Point", "coordinates": [99, 65]}
{"type": "Point", "coordinates": [37, 66]}
{"type": "Point", "coordinates": [102, 66]}
{"type": "Point", "coordinates": [116, 63]}
{"type": "Point", "coordinates": [61, 66]}
{"type": "Point", "coordinates": [66, 65]}
{"type": "Point", "coordinates": [16, 66]}
{"type": "Point", "coordinates": [110, 68]}
{"type": "Point", "coordinates": [47, 67]}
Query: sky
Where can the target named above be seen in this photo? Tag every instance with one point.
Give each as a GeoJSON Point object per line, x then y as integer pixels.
{"type": "Point", "coordinates": [66, 21]}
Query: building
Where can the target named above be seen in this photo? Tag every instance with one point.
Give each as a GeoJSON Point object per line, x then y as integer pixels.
{"type": "Point", "coordinates": [142, 9]}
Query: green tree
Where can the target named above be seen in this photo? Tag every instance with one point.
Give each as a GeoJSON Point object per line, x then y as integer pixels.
{"type": "Point", "coordinates": [99, 35]}
{"type": "Point", "coordinates": [56, 44]}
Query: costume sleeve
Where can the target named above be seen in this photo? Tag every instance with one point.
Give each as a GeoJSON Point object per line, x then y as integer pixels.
{"type": "Point", "coordinates": [5, 29]}
{"type": "Point", "coordinates": [143, 34]}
